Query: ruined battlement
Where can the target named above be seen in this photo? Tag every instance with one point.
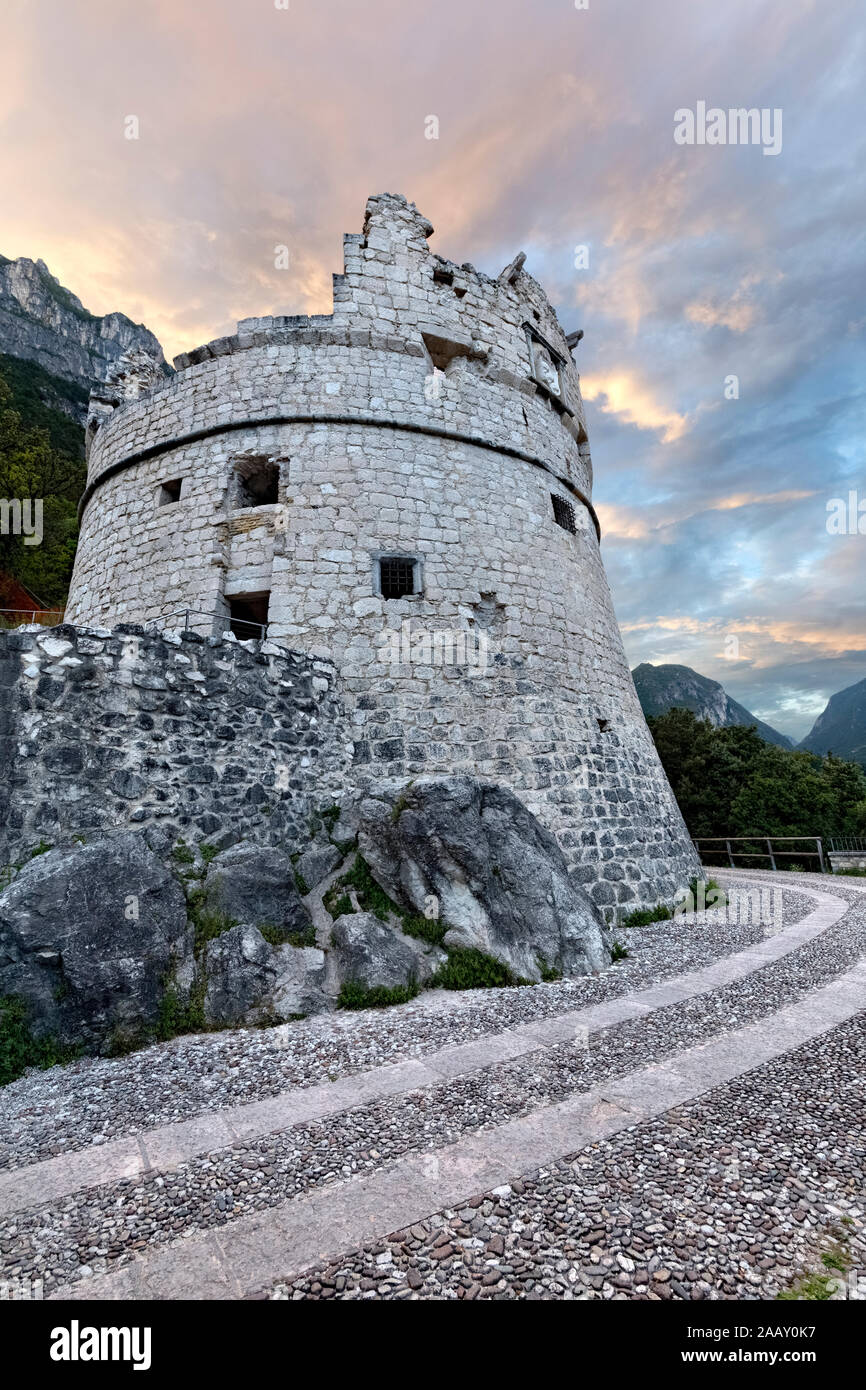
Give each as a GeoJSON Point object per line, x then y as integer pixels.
{"type": "Point", "coordinates": [410, 470]}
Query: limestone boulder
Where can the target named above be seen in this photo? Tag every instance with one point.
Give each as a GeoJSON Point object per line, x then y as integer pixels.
{"type": "Point", "coordinates": [255, 885]}
{"type": "Point", "coordinates": [89, 935]}
{"type": "Point", "coordinates": [316, 863]}
{"type": "Point", "coordinates": [369, 952]}
{"type": "Point", "coordinates": [498, 876]}
{"type": "Point", "coordinates": [250, 981]}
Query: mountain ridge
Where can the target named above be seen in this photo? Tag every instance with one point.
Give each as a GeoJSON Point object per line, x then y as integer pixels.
{"type": "Point", "coordinates": [43, 322]}
{"type": "Point", "coordinates": [841, 728]}
{"type": "Point", "coordinates": [664, 687]}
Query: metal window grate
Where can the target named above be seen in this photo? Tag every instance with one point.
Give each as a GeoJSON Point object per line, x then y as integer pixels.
{"type": "Point", "coordinates": [396, 577]}
{"type": "Point", "coordinates": [563, 514]}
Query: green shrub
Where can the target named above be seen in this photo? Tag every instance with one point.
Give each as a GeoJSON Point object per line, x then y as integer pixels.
{"type": "Point", "coordinates": [278, 936]}
{"type": "Point", "coordinates": [701, 891]}
{"type": "Point", "coordinates": [618, 952]}
{"type": "Point", "coordinates": [177, 1016]}
{"type": "Point", "coordinates": [429, 929]}
{"type": "Point", "coordinates": [354, 995]}
{"type": "Point", "coordinates": [207, 922]}
{"type": "Point", "coordinates": [812, 1287]}
{"type": "Point", "coordinates": [19, 1049]}
{"type": "Point", "coordinates": [301, 883]}
{"type": "Point", "coordinates": [469, 968]}
{"type": "Point", "coordinates": [182, 854]}
{"type": "Point", "coordinates": [372, 898]}
{"type": "Point", "coordinates": [337, 904]}
{"type": "Point", "coordinates": [549, 973]}
{"type": "Point", "coordinates": [644, 916]}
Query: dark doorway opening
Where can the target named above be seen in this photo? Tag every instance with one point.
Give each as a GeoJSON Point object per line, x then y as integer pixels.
{"type": "Point", "coordinates": [248, 615]}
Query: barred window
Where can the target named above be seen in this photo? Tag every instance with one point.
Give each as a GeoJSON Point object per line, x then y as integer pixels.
{"type": "Point", "coordinates": [396, 576]}
{"type": "Point", "coordinates": [563, 513]}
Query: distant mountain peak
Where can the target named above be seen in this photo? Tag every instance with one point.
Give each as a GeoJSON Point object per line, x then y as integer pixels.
{"type": "Point", "coordinates": [43, 322]}
{"type": "Point", "coordinates": [661, 688]}
{"type": "Point", "coordinates": [841, 729]}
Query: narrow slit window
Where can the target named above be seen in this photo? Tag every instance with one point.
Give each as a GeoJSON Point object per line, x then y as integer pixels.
{"type": "Point", "coordinates": [170, 492]}
{"type": "Point", "coordinates": [563, 514]}
{"type": "Point", "coordinates": [396, 576]}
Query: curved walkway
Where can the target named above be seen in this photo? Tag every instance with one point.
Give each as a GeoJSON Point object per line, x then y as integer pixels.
{"type": "Point", "coordinates": [406, 1140]}
{"type": "Point", "coordinates": [166, 1146]}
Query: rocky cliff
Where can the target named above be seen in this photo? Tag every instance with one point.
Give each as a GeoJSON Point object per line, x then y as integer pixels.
{"type": "Point", "coordinates": [42, 322]}
{"type": "Point", "coordinates": [661, 688]}
{"type": "Point", "coordinates": [841, 729]}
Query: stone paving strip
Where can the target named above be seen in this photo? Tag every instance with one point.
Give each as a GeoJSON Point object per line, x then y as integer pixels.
{"type": "Point", "coordinates": [251, 1252]}
{"type": "Point", "coordinates": [166, 1147]}
{"type": "Point", "coordinates": [95, 1100]}
{"type": "Point", "coordinates": [740, 1194]}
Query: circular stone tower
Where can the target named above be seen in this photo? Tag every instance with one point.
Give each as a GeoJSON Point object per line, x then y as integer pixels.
{"type": "Point", "coordinates": [403, 486]}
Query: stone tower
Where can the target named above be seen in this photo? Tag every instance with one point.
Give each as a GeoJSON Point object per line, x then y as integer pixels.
{"type": "Point", "coordinates": [403, 487]}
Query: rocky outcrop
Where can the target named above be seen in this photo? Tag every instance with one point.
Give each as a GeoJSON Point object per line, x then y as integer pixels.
{"type": "Point", "coordinates": [371, 953]}
{"type": "Point", "coordinates": [497, 877]}
{"type": "Point", "coordinates": [661, 688]}
{"type": "Point", "coordinates": [251, 981]}
{"type": "Point", "coordinates": [88, 937]}
{"type": "Point", "coordinates": [45, 323]}
{"type": "Point", "coordinates": [135, 935]}
{"type": "Point", "coordinates": [841, 729]}
{"type": "Point", "coordinates": [255, 885]}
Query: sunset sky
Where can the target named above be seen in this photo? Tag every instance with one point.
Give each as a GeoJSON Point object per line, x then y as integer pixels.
{"type": "Point", "coordinates": [261, 126]}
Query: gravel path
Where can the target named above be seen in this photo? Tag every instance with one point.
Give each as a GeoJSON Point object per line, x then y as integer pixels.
{"type": "Point", "coordinates": [90, 1101]}
{"type": "Point", "coordinates": [102, 1227]}
{"type": "Point", "coordinates": [733, 1196]}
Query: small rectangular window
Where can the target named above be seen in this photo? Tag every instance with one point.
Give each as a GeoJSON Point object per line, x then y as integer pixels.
{"type": "Point", "coordinates": [396, 576]}
{"type": "Point", "coordinates": [257, 482]}
{"type": "Point", "coordinates": [563, 513]}
{"type": "Point", "coordinates": [170, 492]}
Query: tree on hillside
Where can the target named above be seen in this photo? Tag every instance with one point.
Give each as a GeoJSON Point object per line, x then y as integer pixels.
{"type": "Point", "coordinates": [30, 467]}
{"type": "Point", "coordinates": [730, 782]}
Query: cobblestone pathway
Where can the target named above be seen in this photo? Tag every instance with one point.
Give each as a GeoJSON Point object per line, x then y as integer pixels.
{"type": "Point", "coordinates": [688, 1127]}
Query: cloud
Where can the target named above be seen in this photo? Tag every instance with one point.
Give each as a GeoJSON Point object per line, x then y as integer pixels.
{"type": "Point", "coordinates": [262, 127]}
{"type": "Point", "coordinates": [623, 394]}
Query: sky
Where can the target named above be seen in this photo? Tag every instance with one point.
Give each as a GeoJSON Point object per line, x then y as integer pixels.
{"type": "Point", "coordinates": [263, 124]}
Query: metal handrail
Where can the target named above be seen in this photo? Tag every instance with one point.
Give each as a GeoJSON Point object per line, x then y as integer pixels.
{"type": "Point", "coordinates": [842, 844]}
{"type": "Point", "coordinates": [155, 623]}
{"type": "Point", "coordinates": [769, 853]}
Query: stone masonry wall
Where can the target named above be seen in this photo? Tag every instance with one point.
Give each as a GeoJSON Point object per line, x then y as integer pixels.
{"type": "Point", "coordinates": [106, 730]}
{"type": "Point", "coordinates": [418, 420]}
